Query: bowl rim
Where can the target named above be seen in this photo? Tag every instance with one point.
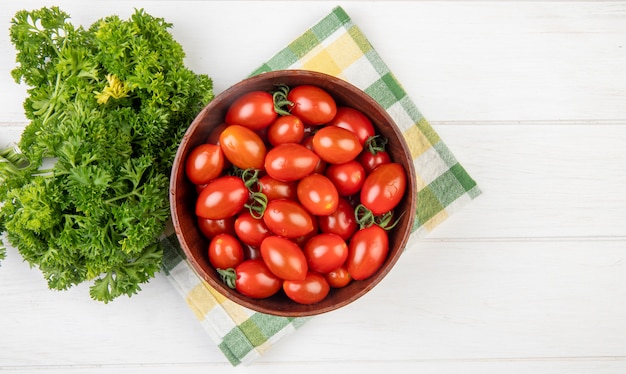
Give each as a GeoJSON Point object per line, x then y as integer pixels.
{"type": "Point", "coordinates": [303, 310]}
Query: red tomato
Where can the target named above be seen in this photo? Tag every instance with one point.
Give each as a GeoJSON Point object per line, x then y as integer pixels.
{"type": "Point", "coordinates": [303, 239]}
{"type": "Point", "coordinates": [222, 198]}
{"type": "Point", "coordinates": [284, 258]}
{"type": "Point", "coordinates": [367, 252]}
{"type": "Point", "coordinates": [254, 279]}
{"type": "Point", "coordinates": [371, 160]}
{"type": "Point", "coordinates": [318, 194]}
{"type": "Point", "coordinates": [251, 252]}
{"type": "Point", "coordinates": [336, 145]}
{"type": "Point", "coordinates": [290, 161]}
{"type": "Point", "coordinates": [214, 135]}
{"type": "Point", "coordinates": [321, 164]}
{"type": "Point", "coordinates": [348, 177]}
{"type": "Point", "coordinates": [254, 110]}
{"type": "Point", "coordinates": [288, 218]}
{"type": "Point", "coordinates": [308, 140]}
{"type": "Point", "coordinates": [212, 227]}
{"type": "Point", "coordinates": [338, 278]}
{"type": "Point", "coordinates": [225, 251]}
{"type": "Point", "coordinates": [355, 121]}
{"type": "Point", "coordinates": [383, 188]}
{"type": "Point", "coordinates": [214, 138]}
{"type": "Point", "coordinates": [326, 252]}
{"type": "Point", "coordinates": [341, 222]}
{"type": "Point", "coordinates": [204, 163]}
{"type": "Point", "coordinates": [286, 129]}
{"type": "Point", "coordinates": [200, 187]}
{"type": "Point", "coordinates": [243, 147]}
{"type": "Point", "coordinates": [251, 230]}
{"type": "Point", "coordinates": [313, 289]}
{"type": "Point", "coordinates": [275, 189]}
{"type": "Point", "coordinates": [312, 104]}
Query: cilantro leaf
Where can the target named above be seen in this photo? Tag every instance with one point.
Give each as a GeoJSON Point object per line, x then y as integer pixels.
{"type": "Point", "coordinates": [85, 196]}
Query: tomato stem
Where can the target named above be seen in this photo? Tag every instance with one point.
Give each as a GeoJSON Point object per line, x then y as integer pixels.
{"type": "Point", "coordinates": [258, 200]}
{"type": "Point", "coordinates": [364, 216]}
{"type": "Point", "coordinates": [257, 205]}
{"type": "Point", "coordinates": [250, 177]}
{"type": "Point", "coordinates": [281, 101]}
{"type": "Point", "coordinates": [235, 171]}
{"type": "Point", "coordinates": [228, 276]}
{"type": "Point", "coordinates": [385, 220]}
{"type": "Point", "coordinates": [375, 144]}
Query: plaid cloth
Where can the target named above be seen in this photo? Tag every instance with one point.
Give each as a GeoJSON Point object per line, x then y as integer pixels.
{"type": "Point", "coordinates": [336, 46]}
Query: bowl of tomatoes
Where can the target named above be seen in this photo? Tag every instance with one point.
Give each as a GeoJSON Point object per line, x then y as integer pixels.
{"type": "Point", "coordinates": [293, 193]}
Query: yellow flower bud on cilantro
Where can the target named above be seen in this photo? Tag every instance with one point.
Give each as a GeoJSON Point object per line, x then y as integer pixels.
{"type": "Point", "coordinates": [85, 198]}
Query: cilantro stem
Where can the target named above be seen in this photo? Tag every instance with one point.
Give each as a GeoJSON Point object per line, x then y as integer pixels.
{"type": "Point", "coordinates": [87, 199]}
{"type": "Point", "coordinates": [8, 167]}
{"type": "Point", "coordinates": [53, 100]}
{"type": "Point", "coordinates": [33, 27]}
{"type": "Point", "coordinates": [12, 162]}
{"type": "Point", "coordinates": [134, 192]}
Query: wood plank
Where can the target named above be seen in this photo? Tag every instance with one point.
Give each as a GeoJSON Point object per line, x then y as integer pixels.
{"type": "Point", "coordinates": [444, 302]}
{"type": "Point", "coordinates": [512, 60]}
{"type": "Point", "coordinates": [67, 329]}
{"type": "Point", "coordinates": [459, 61]}
{"type": "Point", "coordinates": [486, 300]}
{"type": "Point", "coordinates": [608, 365]}
{"type": "Point", "coordinates": [527, 278]}
{"type": "Point", "coordinates": [540, 180]}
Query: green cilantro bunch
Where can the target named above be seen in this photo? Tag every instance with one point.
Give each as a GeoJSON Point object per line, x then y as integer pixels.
{"type": "Point", "coordinates": [84, 195]}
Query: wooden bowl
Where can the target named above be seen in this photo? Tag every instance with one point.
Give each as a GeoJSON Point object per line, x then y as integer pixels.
{"type": "Point", "coordinates": [183, 194]}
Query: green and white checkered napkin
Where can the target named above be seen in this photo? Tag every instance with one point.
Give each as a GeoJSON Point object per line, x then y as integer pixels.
{"type": "Point", "coordinates": [336, 46]}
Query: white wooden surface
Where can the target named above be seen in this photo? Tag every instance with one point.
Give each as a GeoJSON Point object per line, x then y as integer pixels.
{"type": "Point", "coordinates": [529, 278]}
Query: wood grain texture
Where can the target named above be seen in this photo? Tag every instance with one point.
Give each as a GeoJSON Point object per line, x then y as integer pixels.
{"type": "Point", "coordinates": [528, 278]}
